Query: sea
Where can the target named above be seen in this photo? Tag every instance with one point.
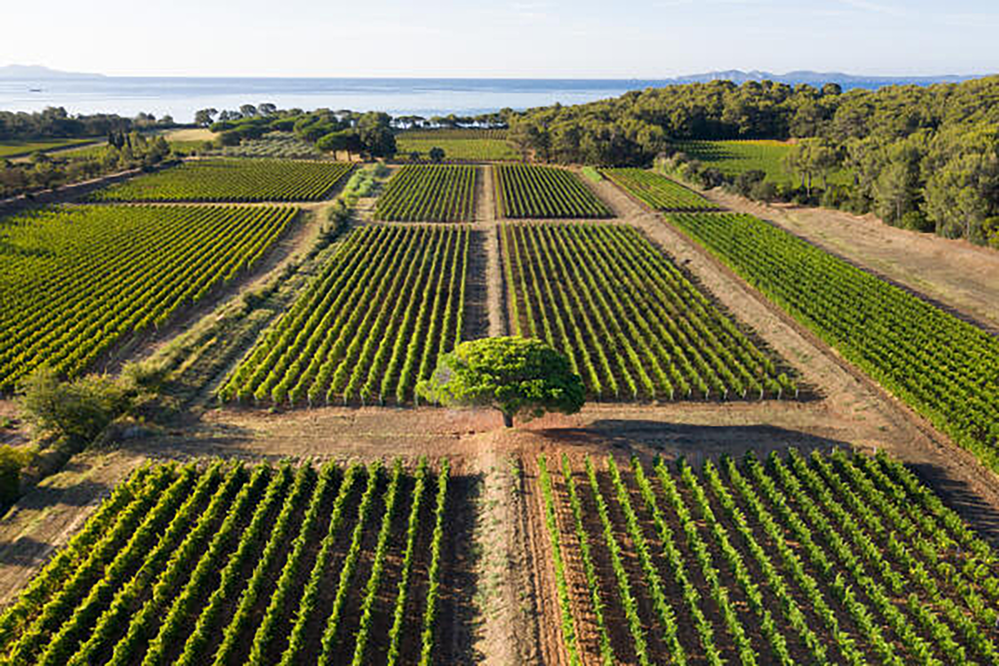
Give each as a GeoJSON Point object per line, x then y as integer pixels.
{"type": "Point", "coordinates": [182, 97]}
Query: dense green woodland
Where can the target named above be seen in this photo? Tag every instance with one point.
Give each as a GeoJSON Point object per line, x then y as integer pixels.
{"type": "Point", "coordinates": [923, 157]}
{"type": "Point", "coordinates": [55, 122]}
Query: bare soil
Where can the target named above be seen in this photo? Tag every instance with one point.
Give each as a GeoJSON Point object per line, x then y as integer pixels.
{"type": "Point", "coordinates": [495, 286]}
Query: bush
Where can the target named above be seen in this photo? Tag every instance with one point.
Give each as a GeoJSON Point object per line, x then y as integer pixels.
{"type": "Point", "coordinates": [229, 138]}
{"type": "Point", "coordinates": [12, 461]}
{"type": "Point", "coordinates": [747, 180]}
{"type": "Point", "coordinates": [916, 221]}
{"type": "Point", "coordinates": [833, 197]}
{"type": "Point", "coordinates": [79, 410]}
{"type": "Point", "coordinates": [764, 191]}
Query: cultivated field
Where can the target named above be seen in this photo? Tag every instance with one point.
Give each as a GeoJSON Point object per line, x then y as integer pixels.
{"type": "Point", "coordinates": [631, 324]}
{"type": "Point", "coordinates": [818, 559]}
{"type": "Point", "coordinates": [370, 325]}
{"type": "Point", "coordinates": [235, 564]}
{"type": "Point", "coordinates": [659, 192]}
{"type": "Point", "coordinates": [940, 365]}
{"type": "Point", "coordinates": [76, 280]}
{"type": "Point", "coordinates": [232, 180]}
{"type": "Point", "coordinates": [275, 145]}
{"type": "Point", "coordinates": [17, 148]}
{"type": "Point", "coordinates": [544, 192]}
{"type": "Point", "coordinates": [429, 194]}
{"type": "Point", "coordinates": [458, 144]}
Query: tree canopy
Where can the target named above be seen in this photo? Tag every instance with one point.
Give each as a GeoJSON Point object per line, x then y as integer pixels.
{"type": "Point", "coordinates": [521, 377]}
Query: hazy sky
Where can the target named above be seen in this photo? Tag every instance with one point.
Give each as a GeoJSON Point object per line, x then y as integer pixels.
{"type": "Point", "coordinates": [520, 38]}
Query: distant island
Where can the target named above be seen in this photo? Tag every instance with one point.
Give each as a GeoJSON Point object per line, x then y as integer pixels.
{"type": "Point", "coordinates": [847, 81]}
{"type": "Point", "coordinates": [35, 72]}
{"type": "Point", "coordinates": [820, 78]}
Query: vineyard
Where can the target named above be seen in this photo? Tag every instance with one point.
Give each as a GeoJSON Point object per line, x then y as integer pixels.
{"type": "Point", "coordinates": [544, 192]}
{"type": "Point", "coordinates": [824, 559]}
{"type": "Point", "coordinates": [458, 144]}
{"type": "Point", "coordinates": [231, 180]}
{"type": "Point", "coordinates": [18, 148]}
{"type": "Point", "coordinates": [76, 280]}
{"type": "Point", "coordinates": [659, 192]}
{"type": "Point", "coordinates": [943, 367]}
{"type": "Point", "coordinates": [233, 564]}
{"type": "Point", "coordinates": [429, 194]}
{"type": "Point", "coordinates": [371, 324]}
{"type": "Point", "coordinates": [631, 324]}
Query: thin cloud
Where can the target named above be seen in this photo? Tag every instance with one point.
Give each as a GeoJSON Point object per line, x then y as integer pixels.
{"type": "Point", "coordinates": [873, 7]}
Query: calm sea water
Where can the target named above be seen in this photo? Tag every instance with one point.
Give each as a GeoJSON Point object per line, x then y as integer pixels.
{"type": "Point", "coordinates": [181, 97]}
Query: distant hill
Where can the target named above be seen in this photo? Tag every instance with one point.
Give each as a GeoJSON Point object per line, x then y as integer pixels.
{"type": "Point", "coordinates": [36, 72]}
{"type": "Point", "coordinates": [820, 78]}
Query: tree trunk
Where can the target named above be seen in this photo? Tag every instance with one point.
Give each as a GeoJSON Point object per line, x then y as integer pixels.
{"type": "Point", "coordinates": [507, 420]}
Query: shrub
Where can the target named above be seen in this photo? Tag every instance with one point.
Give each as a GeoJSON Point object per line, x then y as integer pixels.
{"type": "Point", "coordinates": [12, 461]}
{"type": "Point", "coordinates": [79, 410]}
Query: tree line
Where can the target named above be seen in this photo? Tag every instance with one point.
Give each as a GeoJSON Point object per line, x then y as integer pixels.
{"type": "Point", "coordinates": [925, 158]}
{"type": "Point", "coordinates": [56, 123]}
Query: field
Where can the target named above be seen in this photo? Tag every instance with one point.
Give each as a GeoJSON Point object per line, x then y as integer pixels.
{"type": "Point", "coordinates": [275, 145]}
{"type": "Point", "coordinates": [818, 559]}
{"type": "Point", "coordinates": [231, 180]}
{"type": "Point", "coordinates": [75, 280]}
{"type": "Point", "coordinates": [429, 194]}
{"type": "Point", "coordinates": [657, 191]}
{"type": "Point", "coordinates": [234, 564]}
{"type": "Point", "coordinates": [941, 366]}
{"type": "Point", "coordinates": [458, 144]}
{"type": "Point", "coordinates": [631, 324]}
{"type": "Point", "coordinates": [735, 157]}
{"type": "Point", "coordinates": [18, 148]}
{"type": "Point", "coordinates": [544, 192]}
{"type": "Point", "coordinates": [370, 326]}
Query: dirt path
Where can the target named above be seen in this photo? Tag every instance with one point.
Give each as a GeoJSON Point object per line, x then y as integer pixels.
{"type": "Point", "coordinates": [506, 625]}
{"type": "Point", "coordinates": [957, 275]}
{"type": "Point", "coordinates": [485, 215]}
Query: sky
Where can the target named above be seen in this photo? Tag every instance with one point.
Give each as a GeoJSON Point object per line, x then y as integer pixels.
{"type": "Point", "coordinates": [502, 38]}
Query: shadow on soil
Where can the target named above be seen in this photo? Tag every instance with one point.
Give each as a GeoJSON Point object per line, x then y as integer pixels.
{"type": "Point", "coordinates": [956, 494]}
{"type": "Point", "coordinates": [25, 552]}
{"type": "Point", "coordinates": [695, 443]}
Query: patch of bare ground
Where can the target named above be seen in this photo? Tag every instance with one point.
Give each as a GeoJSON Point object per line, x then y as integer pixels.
{"type": "Point", "coordinates": [505, 626]}
{"type": "Point", "coordinates": [952, 273]}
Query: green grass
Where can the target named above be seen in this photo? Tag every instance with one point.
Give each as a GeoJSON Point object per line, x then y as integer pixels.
{"type": "Point", "coordinates": [18, 148]}
{"type": "Point", "coordinates": [592, 174]}
{"type": "Point", "coordinates": [461, 145]}
{"type": "Point", "coordinates": [735, 157]}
